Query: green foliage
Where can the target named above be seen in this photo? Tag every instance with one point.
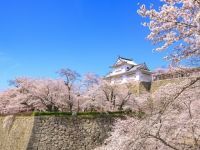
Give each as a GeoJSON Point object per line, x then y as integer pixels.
{"type": "Point", "coordinates": [84, 114]}
{"type": "Point", "coordinates": [140, 114]}
{"type": "Point", "coordinates": [89, 114]}
{"type": "Point", "coordinates": [52, 113]}
{"type": "Point", "coordinates": [75, 114]}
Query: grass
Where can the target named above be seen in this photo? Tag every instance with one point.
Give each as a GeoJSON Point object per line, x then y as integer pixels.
{"type": "Point", "coordinates": [84, 114]}
{"type": "Point", "coordinates": [81, 115]}
{"type": "Point", "coordinates": [78, 114]}
{"type": "Point", "coordinates": [91, 114]}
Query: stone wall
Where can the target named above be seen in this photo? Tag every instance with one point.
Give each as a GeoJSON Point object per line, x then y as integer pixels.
{"type": "Point", "coordinates": [55, 133]}
{"type": "Point", "coordinates": [158, 83]}
{"type": "Point", "coordinates": [144, 87]}
{"type": "Point", "coordinates": [140, 87]}
{"type": "Point", "coordinates": [17, 135]}
{"type": "Point", "coordinates": [68, 133]}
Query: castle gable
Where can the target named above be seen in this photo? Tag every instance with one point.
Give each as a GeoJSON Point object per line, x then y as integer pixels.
{"type": "Point", "coordinates": [126, 69]}
{"type": "Point", "coordinates": [124, 61]}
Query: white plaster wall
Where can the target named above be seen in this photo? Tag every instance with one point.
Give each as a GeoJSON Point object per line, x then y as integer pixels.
{"type": "Point", "coordinates": [142, 77]}
{"type": "Point", "coordinates": [145, 77]}
{"type": "Point", "coordinates": [138, 76]}
{"type": "Point", "coordinates": [125, 79]}
{"type": "Point", "coordinates": [148, 78]}
{"type": "Point", "coordinates": [119, 70]}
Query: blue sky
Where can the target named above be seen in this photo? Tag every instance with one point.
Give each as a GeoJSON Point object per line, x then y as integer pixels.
{"type": "Point", "coordinates": [38, 37]}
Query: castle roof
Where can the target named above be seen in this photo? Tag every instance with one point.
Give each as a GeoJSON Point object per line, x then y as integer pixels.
{"type": "Point", "coordinates": [121, 61]}
{"type": "Point", "coordinates": [138, 67]}
{"type": "Point", "coordinates": [143, 67]}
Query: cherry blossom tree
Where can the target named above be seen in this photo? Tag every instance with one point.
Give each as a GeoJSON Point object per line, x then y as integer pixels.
{"type": "Point", "coordinates": [92, 99]}
{"type": "Point", "coordinates": [5, 102]}
{"type": "Point", "coordinates": [176, 23]}
{"type": "Point", "coordinates": [174, 123]}
{"type": "Point", "coordinates": [70, 78]}
{"type": "Point", "coordinates": [171, 121]}
{"type": "Point", "coordinates": [105, 96]}
{"type": "Point", "coordinates": [90, 80]}
{"type": "Point", "coordinates": [46, 94]}
{"type": "Point", "coordinates": [35, 95]}
{"type": "Point", "coordinates": [31, 94]}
